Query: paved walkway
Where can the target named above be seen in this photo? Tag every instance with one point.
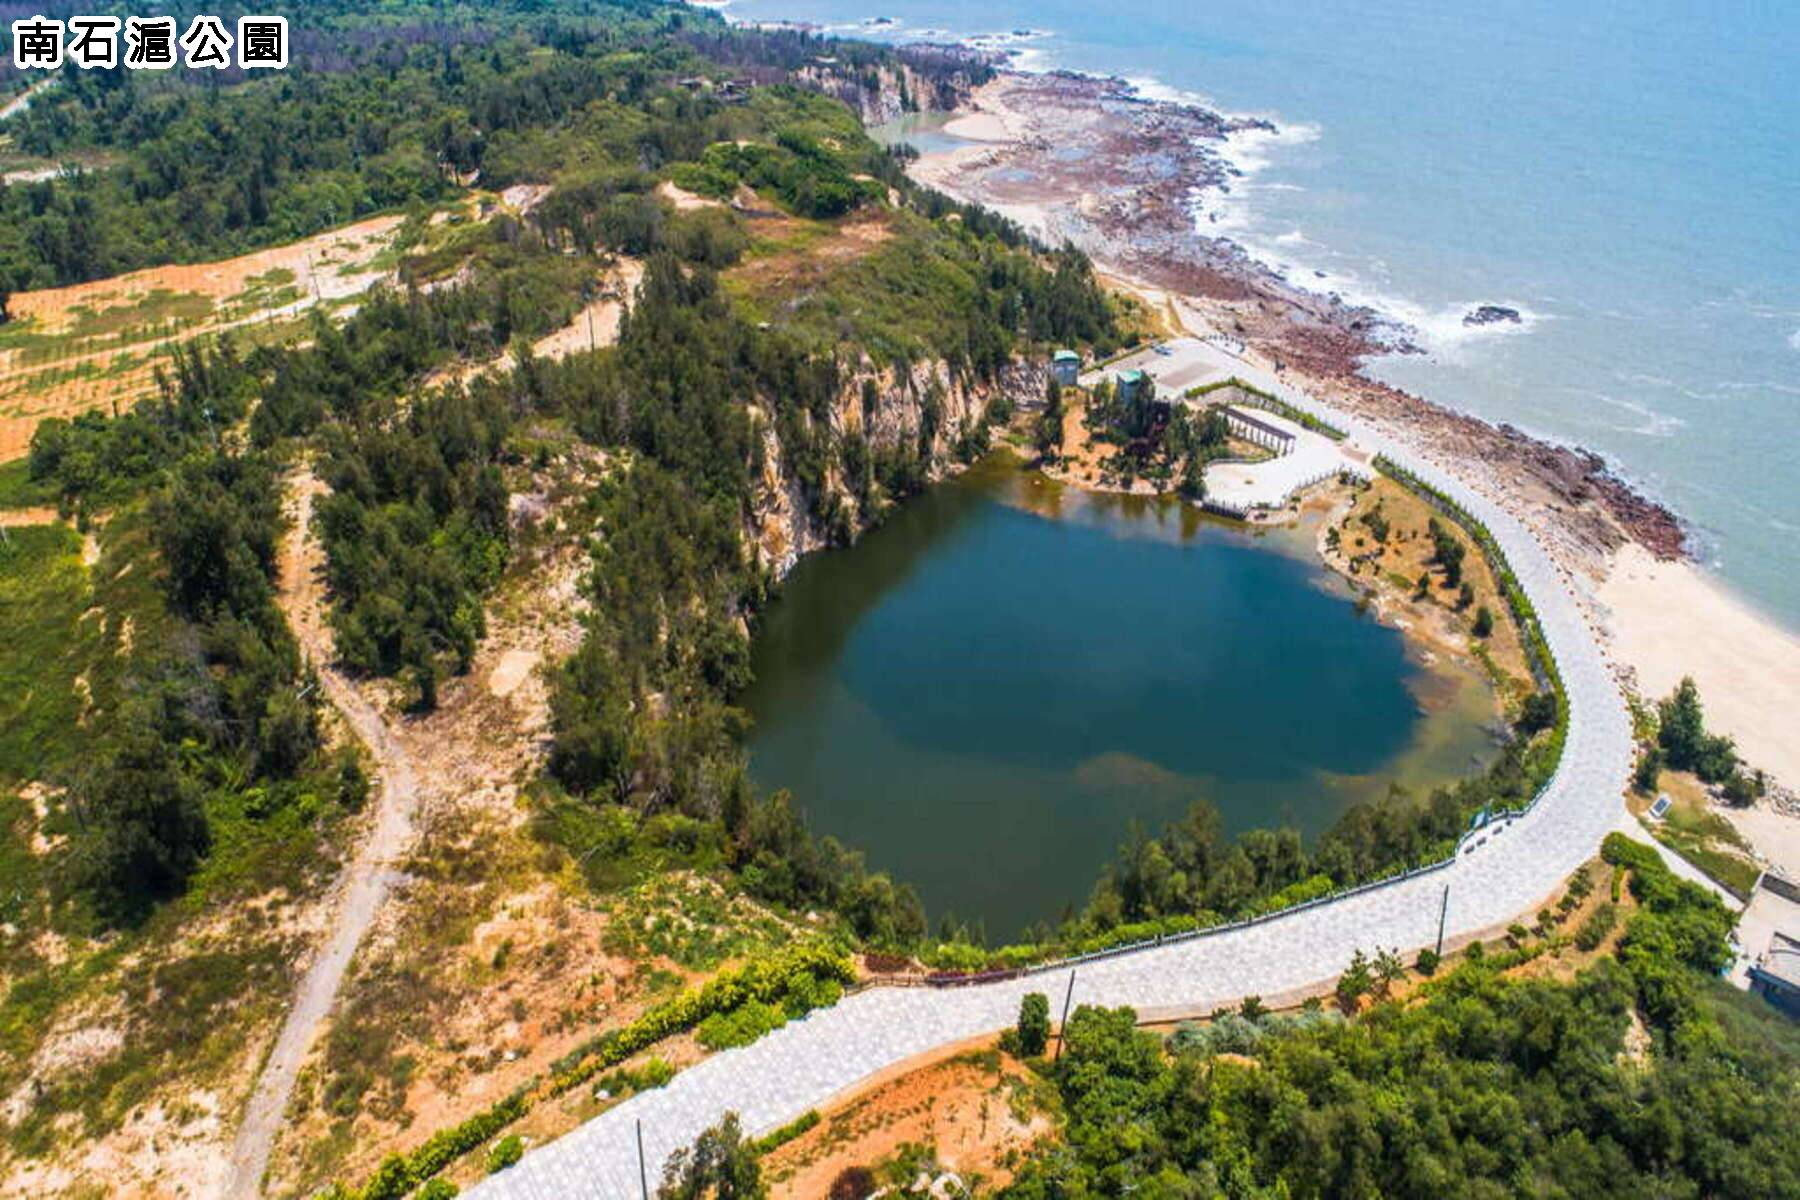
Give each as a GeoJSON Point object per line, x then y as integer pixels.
{"type": "Point", "coordinates": [1513, 871]}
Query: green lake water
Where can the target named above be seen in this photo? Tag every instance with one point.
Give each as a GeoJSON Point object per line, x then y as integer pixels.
{"type": "Point", "coordinates": [985, 692]}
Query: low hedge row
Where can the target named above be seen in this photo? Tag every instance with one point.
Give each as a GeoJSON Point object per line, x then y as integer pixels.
{"type": "Point", "coordinates": [792, 978]}
{"type": "Point", "coordinates": [790, 972]}
{"type": "Point", "coordinates": [769, 1143]}
{"type": "Point", "coordinates": [401, 1173]}
{"type": "Point", "coordinates": [1273, 403]}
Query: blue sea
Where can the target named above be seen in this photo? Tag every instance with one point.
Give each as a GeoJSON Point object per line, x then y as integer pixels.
{"type": "Point", "coordinates": [1626, 175]}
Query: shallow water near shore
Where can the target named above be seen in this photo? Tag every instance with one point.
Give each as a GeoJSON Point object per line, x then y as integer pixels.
{"type": "Point", "coordinates": [1623, 175]}
{"type": "Point", "coordinates": [984, 693]}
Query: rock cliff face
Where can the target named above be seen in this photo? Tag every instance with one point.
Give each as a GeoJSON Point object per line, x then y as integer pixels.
{"type": "Point", "coordinates": [924, 80]}
{"type": "Point", "coordinates": [888, 411]}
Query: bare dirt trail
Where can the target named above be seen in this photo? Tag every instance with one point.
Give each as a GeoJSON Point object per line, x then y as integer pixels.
{"type": "Point", "coordinates": [364, 887]}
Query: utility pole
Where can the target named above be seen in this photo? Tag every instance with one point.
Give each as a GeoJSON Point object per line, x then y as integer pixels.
{"type": "Point", "coordinates": [1443, 911]}
{"type": "Point", "coordinates": [643, 1174]}
{"type": "Point", "coordinates": [1062, 1030]}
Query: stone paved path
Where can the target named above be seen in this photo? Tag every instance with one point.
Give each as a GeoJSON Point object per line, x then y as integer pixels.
{"type": "Point", "coordinates": [1493, 880]}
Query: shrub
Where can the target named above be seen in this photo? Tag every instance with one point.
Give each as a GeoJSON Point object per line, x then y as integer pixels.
{"type": "Point", "coordinates": [771, 1142]}
{"type": "Point", "coordinates": [505, 1152]}
{"type": "Point", "coordinates": [401, 1173]}
{"type": "Point", "coordinates": [437, 1189]}
{"type": "Point", "coordinates": [764, 980]}
{"type": "Point", "coordinates": [1032, 1033]}
{"type": "Point", "coordinates": [654, 1073]}
{"type": "Point", "coordinates": [1593, 931]}
{"type": "Point", "coordinates": [740, 1026]}
{"type": "Point", "coordinates": [854, 1183]}
{"type": "Point", "coordinates": [1427, 962]}
{"type": "Point", "coordinates": [1356, 982]}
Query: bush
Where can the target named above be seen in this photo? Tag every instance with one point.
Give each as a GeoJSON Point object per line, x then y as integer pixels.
{"type": "Point", "coordinates": [1593, 931]}
{"type": "Point", "coordinates": [401, 1173]}
{"type": "Point", "coordinates": [854, 1183]}
{"type": "Point", "coordinates": [505, 1152]}
{"type": "Point", "coordinates": [1356, 982]}
{"type": "Point", "coordinates": [654, 1073]}
{"type": "Point", "coordinates": [437, 1189]}
{"type": "Point", "coordinates": [1427, 962]}
{"type": "Point", "coordinates": [772, 1142]}
{"type": "Point", "coordinates": [1033, 1030]}
{"type": "Point", "coordinates": [740, 1026]}
{"type": "Point", "coordinates": [765, 980]}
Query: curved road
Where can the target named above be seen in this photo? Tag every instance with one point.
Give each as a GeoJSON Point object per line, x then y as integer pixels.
{"type": "Point", "coordinates": [363, 888]}
{"type": "Point", "coordinates": [806, 1063]}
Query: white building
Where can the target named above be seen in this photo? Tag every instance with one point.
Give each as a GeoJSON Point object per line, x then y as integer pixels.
{"type": "Point", "coordinates": [1261, 429]}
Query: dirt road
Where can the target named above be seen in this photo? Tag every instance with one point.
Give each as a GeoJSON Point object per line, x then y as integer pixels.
{"type": "Point", "coordinates": [364, 887]}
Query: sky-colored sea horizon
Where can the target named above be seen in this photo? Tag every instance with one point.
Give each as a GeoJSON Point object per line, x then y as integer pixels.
{"type": "Point", "coordinates": [1623, 178]}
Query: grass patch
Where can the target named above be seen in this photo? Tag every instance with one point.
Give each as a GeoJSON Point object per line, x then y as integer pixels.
{"type": "Point", "coordinates": [44, 591]}
{"type": "Point", "coordinates": [19, 490]}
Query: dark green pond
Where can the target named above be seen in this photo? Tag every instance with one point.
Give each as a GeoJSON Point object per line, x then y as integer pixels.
{"type": "Point", "coordinates": [984, 693]}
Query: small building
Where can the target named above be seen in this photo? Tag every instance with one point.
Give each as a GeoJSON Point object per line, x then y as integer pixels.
{"type": "Point", "coordinates": [1129, 385]}
{"type": "Point", "coordinates": [1065, 367]}
{"type": "Point", "coordinates": [1768, 943]}
{"type": "Point", "coordinates": [1775, 975]}
{"type": "Point", "coordinates": [1260, 429]}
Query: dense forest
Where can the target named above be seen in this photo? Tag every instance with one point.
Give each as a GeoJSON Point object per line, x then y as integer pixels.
{"type": "Point", "coordinates": [416, 526]}
{"type": "Point", "coordinates": [1491, 1086]}
{"type": "Point", "coordinates": [374, 112]}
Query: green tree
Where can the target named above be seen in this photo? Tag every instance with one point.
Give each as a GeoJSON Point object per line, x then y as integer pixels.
{"type": "Point", "coordinates": [1355, 983]}
{"type": "Point", "coordinates": [141, 829]}
{"type": "Point", "coordinates": [720, 1165]}
{"type": "Point", "coordinates": [1193, 479]}
{"type": "Point", "coordinates": [1389, 970]}
{"type": "Point", "coordinates": [1033, 1030]}
{"type": "Point", "coordinates": [1684, 740]}
{"type": "Point", "coordinates": [1538, 711]}
{"type": "Point", "coordinates": [1484, 622]}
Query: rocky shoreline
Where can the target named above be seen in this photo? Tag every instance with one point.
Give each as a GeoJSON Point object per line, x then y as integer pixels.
{"type": "Point", "coordinates": [1132, 180]}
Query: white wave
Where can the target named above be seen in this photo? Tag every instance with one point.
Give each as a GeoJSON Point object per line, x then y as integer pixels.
{"type": "Point", "coordinates": [1794, 340]}
{"type": "Point", "coordinates": [1653, 423]}
{"type": "Point", "coordinates": [1307, 263]}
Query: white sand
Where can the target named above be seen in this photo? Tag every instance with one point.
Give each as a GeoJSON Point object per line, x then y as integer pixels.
{"type": "Point", "coordinates": [1775, 835]}
{"type": "Point", "coordinates": [1669, 619]}
{"type": "Point", "coordinates": [979, 126]}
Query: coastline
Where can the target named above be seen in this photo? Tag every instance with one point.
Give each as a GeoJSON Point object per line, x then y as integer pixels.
{"type": "Point", "coordinates": [1055, 152]}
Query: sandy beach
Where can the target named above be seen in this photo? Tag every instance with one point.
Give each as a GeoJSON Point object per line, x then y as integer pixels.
{"type": "Point", "coordinates": [1665, 620]}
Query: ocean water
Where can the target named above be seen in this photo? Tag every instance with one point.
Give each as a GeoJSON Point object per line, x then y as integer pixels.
{"type": "Point", "coordinates": [1627, 176]}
